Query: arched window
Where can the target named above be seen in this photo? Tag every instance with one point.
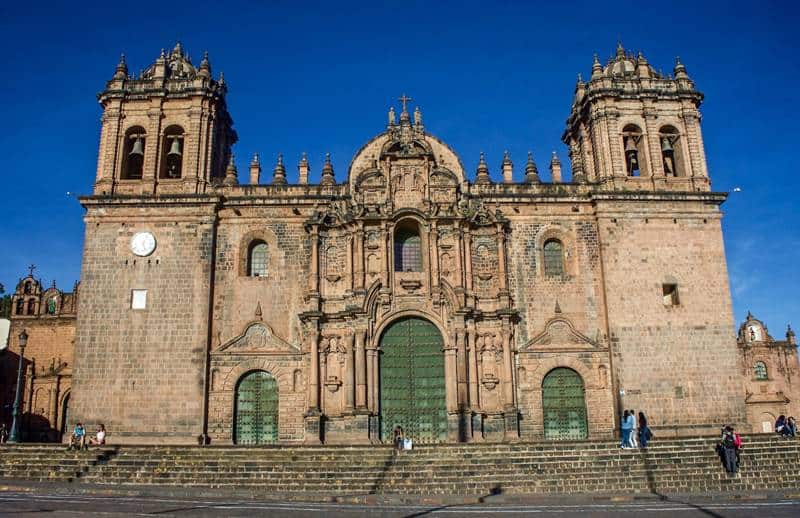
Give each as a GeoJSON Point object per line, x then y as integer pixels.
{"type": "Point", "coordinates": [31, 306]}
{"type": "Point", "coordinates": [760, 371]}
{"type": "Point", "coordinates": [27, 290]}
{"type": "Point", "coordinates": [133, 153]}
{"type": "Point", "coordinates": [633, 143]}
{"type": "Point", "coordinates": [20, 307]}
{"type": "Point", "coordinates": [258, 259]}
{"type": "Point", "coordinates": [172, 158]}
{"type": "Point", "coordinates": [407, 249]}
{"type": "Point", "coordinates": [671, 157]}
{"type": "Point", "coordinates": [553, 258]}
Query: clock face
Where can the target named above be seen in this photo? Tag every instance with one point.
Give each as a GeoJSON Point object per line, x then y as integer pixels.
{"type": "Point", "coordinates": [143, 243]}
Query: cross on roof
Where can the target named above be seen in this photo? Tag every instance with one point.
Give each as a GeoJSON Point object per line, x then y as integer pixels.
{"type": "Point", "coordinates": [403, 99]}
{"type": "Point", "coordinates": [30, 269]}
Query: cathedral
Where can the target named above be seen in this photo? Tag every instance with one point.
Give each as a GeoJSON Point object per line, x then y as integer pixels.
{"type": "Point", "coordinates": [408, 291]}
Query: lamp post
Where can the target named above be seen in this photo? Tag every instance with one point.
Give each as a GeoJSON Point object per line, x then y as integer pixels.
{"type": "Point", "coordinates": [15, 435]}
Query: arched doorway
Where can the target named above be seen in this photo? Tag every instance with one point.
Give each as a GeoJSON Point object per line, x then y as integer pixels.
{"type": "Point", "coordinates": [64, 416]}
{"type": "Point", "coordinates": [564, 405]}
{"type": "Point", "coordinates": [412, 384]}
{"type": "Point", "coordinates": [256, 412]}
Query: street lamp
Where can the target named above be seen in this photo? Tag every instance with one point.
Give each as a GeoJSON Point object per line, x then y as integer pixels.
{"type": "Point", "coordinates": [23, 341]}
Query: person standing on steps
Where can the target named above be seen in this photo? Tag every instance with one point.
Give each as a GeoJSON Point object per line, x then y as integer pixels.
{"type": "Point", "coordinates": [791, 425]}
{"type": "Point", "coordinates": [626, 426]}
{"type": "Point", "coordinates": [728, 449]}
{"type": "Point", "coordinates": [644, 431]}
{"type": "Point", "coordinates": [398, 438]}
{"type": "Point", "coordinates": [632, 443]}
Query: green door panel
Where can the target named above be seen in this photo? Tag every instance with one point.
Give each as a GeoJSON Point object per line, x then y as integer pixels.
{"type": "Point", "coordinates": [412, 385]}
{"type": "Point", "coordinates": [256, 409]}
{"type": "Point", "coordinates": [564, 405]}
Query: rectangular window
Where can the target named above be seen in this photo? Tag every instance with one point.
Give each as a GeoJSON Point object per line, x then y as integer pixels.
{"type": "Point", "coordinates": [670, 293]}
{"type": "Point", "coordinates": [138, 299]}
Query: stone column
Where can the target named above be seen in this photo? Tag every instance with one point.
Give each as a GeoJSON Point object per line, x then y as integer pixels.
{"type": "Point", "coordinates": [387, 266]}
{"type": "Point", "coordinates": [501, 256]}
{"type": "Point", "coordinates": [473, 366]}
{"type": "Point", "coordinates": [359, 284]}
{"type": "Point", "coordinates": [313, 377]}
{"type": "Point", "coordinates": [350, 263]}
{"type": "Point", "coordinates": [468, 259]}
{"type": "Point", "coordinates": [314, 260]}
{"type": "Point", "coordinates": [451, 376]}
{"type": "Point", "coordinates": [653, 144]}
{"type": "Point", "coordinates": [361, 371]}
{"type": "Point", "coordinates": [434, 249]}
{"type": "Point", "coordinates": [461, 351]}
{"type": "Point", "coordinates": [349, 375]}
{"type": "Point", "coordinates": [508, 374]}
{"type": "Point", "coordinates": [696, 159]}
{"type": "Point", "coordinates": [372, 371]}
{"type": "Point", "coordinates": [614, 144]}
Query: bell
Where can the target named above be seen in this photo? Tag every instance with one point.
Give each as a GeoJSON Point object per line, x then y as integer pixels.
{"type": "Point", "coordinates": [630, 145]}
{"type": "Point", "coordinates": [175, 150]}
{"type": "Point", "coordinates": [666, 145]}
{"type": "Point", "coordinates": [138, 148]}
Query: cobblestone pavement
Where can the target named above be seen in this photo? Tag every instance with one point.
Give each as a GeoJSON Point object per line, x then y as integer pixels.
{"type": "Point", "coordinates": [61, 505]}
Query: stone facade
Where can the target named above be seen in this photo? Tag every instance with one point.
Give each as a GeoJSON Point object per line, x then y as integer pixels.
{"type": "Point", "coordinates": [611, 288]}
{"type": "Point", "coordinates": [771, 374]}
{"type": "Point", "coordinates": [48, 317]}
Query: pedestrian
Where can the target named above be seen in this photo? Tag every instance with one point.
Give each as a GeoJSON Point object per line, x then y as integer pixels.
{"type": "Point", "coordinates": [3, 433]}
{"type": "Point", "coordinates": [632, 442]}
{"type": "Point", "coordinates": [100, 437]}
{"type": "Point", "coordinates": [626, 425]}
{"type": "Point", "coordinates": [728, 449]}
{"type": "Point", "coordinates": [397, 438]}
{"type": "Point", "coordinates": [644, 431]}
{"type": "Point", "coordinates": [791, 424]}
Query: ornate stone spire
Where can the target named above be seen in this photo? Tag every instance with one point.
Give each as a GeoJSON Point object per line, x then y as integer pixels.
{"type": "Point", "coordinates": [680, 70]}
{"type": "Point", "coordinates": [508, 168]}
{"type": "Point", "coordinates": [231, 175]}
{"type": "Point", "coordinates": [555, 168]}
{"type": "Point", "coordinates": [417, 116]}
{"type": "Point", "coordinates": [392, 119]}
{"type": "Point", "coordinates": [790, 337]}
{"type": "Point", "coordinates": [597, 68]}
{"type": "Point", "coordinates": [531, 172]}
{"type": "Point", "coordinates": [327, 171]}
{"type": "Point", "coordinates": [620, 50]}
{"type": "Point", "coordinates": [302, 170]}
{"type": "Point", "coordinates": [482, 175]}
{"type": "Point", "coordinates": [255, 170]}
{"type": "Point", "coordinates": [122, 68]}
{"type": "Point", "coordinates": [279, 173]}
{"type": "Point", "coordinates": [204, 70]}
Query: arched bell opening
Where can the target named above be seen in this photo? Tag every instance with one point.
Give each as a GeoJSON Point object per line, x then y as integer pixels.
{"type": "Point", "coordinates": [412, 381]}
{"type": "Point", "coordinates": [172, 148]}
{"type": "Point", "coordinates": [672, 156]}
{"type": "Point", "coordinates": [256, 409]}
{"type": "Point", "coordinates": [564, 405]}
{"type": "Point", "coordinates": [133, 153]}
{"type": "Point", "coordinates": [633, 145]}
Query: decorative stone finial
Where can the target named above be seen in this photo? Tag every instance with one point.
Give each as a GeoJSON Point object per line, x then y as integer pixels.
{"type": "Point", "coordinates": [327, 172]}
{"type": "Point", "coordinates": [680, 70]}
{"type": "Point", "coordinates": [302, 169]}
{"type": "Point", "coordinates": [163, 54]}
{"type": "Point", "coordinates": [557, 309]}
{"type": "Point", "coordinates": [508, 168]}
{"type": "Point", "coordinates": [620, 50]}
{"type": "Point", "coordinates": [221, 79]}
{"type": "Point", "coordinates": [749, 315]}
{"type": "Point", "coordinates": [597, 68]}
{"type": "Point", "coordinates": [531, 172]}
{"type": "Point", "coordinates": [555, 168]}
{"type": "Point", "coordinates": [231, 175]}
{"type": "Point", "coordinates": [121, 71]}
{"type": "Point", "coordinates": [258, 310]}
{"type": "Point", "coordinates": [790, 337]}
{"type": "Point", "coordinates": [417, 116]}
{"type": "Point", "coordinates": [178, 50]}
{"type": "Point", "coordinates": [204, 70]}
{"type": "Point", "coordinates": [255, 170]}
{"type": "Point", "coordinates": [482, 175]}
{"type": "Point", "coordinates": [392, 119]}
{"type": "Point", "coordinates": [279, 173]}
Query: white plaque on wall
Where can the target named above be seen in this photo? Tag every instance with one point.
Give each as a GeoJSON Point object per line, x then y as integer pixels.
{"type": "Point", "coordinates": [138, 299]}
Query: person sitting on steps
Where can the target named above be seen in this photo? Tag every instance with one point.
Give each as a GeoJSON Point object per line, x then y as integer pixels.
{"type": "Point", "coordinates": [397, 438]}
{"type": "Point", "coordinates": [100, 437]}
{"type": "Point", "coordinates": [78, 438]}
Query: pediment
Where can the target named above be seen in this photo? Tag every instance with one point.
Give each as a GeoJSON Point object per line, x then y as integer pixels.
{"type": "Point", "coordinates": [258, 337]}
{"type": "Point", "coordinates": [443, 178]}
{"type": "Point", "coordinates": [560, 333]}
{"type": "Point", "coordinates": [371, 178]}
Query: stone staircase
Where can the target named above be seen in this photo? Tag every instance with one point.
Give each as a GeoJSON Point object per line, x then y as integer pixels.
{"type": "Point", "coordinates": [669, 466]}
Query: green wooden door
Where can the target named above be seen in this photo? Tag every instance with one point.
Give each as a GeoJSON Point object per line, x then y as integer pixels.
{"type": "Point", "coordinates": [412, 390]}
{"type": "Point", "coordinates": [564, 405]}
{"type": "Point", "coordinates": [256, 409]}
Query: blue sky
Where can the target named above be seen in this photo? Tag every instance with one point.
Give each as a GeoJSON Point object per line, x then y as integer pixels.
{"type": "Point", "coordinates": [489, 76]}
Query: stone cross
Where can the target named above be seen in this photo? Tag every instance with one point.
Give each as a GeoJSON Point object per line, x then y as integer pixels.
{"type": "Point", "coordinates": [403, 99]}
{"type": "Point", "coordinates": [31, 268]}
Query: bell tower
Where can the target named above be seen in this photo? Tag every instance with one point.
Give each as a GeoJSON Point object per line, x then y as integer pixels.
{"type": "Point", "coordinates": [633, 128]}
{"type": "Point", "coordinates": [165, 131]}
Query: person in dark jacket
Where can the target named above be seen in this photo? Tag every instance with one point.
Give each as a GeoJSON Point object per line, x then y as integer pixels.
{"type": "Point", "coordinates": [644, 431]}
